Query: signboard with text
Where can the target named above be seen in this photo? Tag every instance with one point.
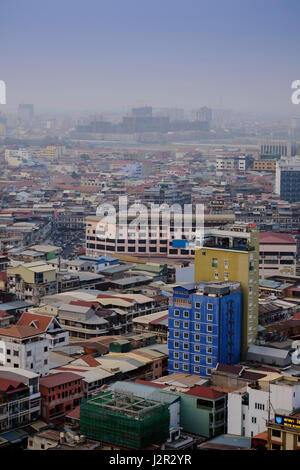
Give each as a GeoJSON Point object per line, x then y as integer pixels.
{"type": "Point", "coordinates": [288, 421]}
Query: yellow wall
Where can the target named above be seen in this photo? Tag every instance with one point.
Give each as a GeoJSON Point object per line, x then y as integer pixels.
{"type": "Point", "coordinates": [264, 165]}
{"type": "Point", "coordinates": [28, 275]}
{"type": "Point", "coordinates": [238, 271]}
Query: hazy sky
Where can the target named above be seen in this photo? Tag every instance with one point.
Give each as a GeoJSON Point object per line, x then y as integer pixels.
{"type": "Point", "coordinates": [107, 54]}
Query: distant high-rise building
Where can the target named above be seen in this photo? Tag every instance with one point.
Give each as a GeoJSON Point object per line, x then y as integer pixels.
{"type": "Point", "coordinates": [26, 112]}
{"type": "Point", "coordinates": [2, 126]}
{"type": "Point", "coordinates": [174, 114]}
{"type": "Point", "coordinates": [283, 149]}
{"type": "Point", "coordinates": [145, 111]}
{"type": "Point", "coordinates": [204, 327]}
{"type": "Point", "coordinates": [288, 180]}
{"type": "Point", "coordinates": [204, 114]}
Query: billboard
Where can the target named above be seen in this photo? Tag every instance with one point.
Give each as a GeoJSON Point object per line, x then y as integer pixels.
{"type": "Point", "coordinates": [288, 421]}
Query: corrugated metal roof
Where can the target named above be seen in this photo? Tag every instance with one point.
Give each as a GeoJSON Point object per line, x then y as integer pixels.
{"type": "Point", "coordinates": [265, 351]}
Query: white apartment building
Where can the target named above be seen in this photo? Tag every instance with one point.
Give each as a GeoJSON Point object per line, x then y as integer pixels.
{"type": "Point", "coordinates": [22, 405]}
{"type": "Point", "coordinates": [250, 407]}
{"type": "Point", "coordinates": [16, 157]}
{"type": "Point", "coordinates": [24, 347]}
{"type": "Point", "coordinates": [49, 325]}
{"type": "Point", "coordinates": [231, 163]}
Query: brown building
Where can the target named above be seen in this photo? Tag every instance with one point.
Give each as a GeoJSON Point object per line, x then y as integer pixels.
{"type": "Point", "coordinates": [60, 393]}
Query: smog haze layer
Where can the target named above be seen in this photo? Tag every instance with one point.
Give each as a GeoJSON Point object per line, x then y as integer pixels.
{"type": "Point", "coordinates": [110, 54]}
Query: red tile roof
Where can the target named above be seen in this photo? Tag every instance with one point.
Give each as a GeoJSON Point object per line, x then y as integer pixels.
{"type": "Point", "coordinates": [10, 386]}
{"type": "Point", "coordinates": [42, 322]}
{"type": "Point", "coordinates": [90, 360]}
{"type": "Point", "coordinates": [84, 303]}
{"type": "Point", "coordinates": [60, 378]}
{"type": "Point", "coordinates": [158, 320]}
{"type": "Point", "coordinates": [204, 392]}
{"type": "Point", "coordinates": [20, 331]}
{"type": "Point", "coordinates": [280, 238]}
{"type": "Point", "coordinates": [239, 371]}
{"type": "Point", "coordinates": [152, 384]}
{"type": "Point", "coordinates": [74, 414]}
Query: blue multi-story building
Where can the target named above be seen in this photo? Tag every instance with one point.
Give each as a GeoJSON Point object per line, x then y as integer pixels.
{"type": "Point", "coordinates": [204, 327]}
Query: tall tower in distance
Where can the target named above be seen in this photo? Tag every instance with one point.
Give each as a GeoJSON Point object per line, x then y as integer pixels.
{"type": "Point", "coordinates": [26, 112]}
{"type": "Point", "coordinates": [232, 254]}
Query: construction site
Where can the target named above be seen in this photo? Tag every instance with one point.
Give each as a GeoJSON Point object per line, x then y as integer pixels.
{"type": "Point", "coordinates": [124, 419]}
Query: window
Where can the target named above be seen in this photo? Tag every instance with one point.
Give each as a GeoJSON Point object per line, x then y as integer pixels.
{"type": "Point", "coordinates": [185, 367]}
{"type": "Point", "coordinates": [197, 337]}
{"type": "Point", "coordinates": [253, 419]}
{"type": "Point", "coordinates": [209, 339]}
{"type": "Point", "coordinates": [186, 314]}
{"type": "Point", "coordinates": [197, 326]}
{"type": "Point", "coordinates": [214, 263]}
{"type": "Point", "coordinates": [176, 334]}
{"type": "Point", "coordinates": [197, 358]}
{"type": "Point", "coordinates": [197, 369]}
{"type": "Point", "coordinates": [209, 329]}
{"type": "Point", "coordinates": [185, 357]}
{"type": "Point", "coordinates": [185, 324]}
{"type": "Point", "coordinates": [209, 350]}
{"type": "Point", "coordinates": [176, 323]}
{"type": "Point", "coordinates": [209, 317]}
{"type": "Point", "coordinates": [28, 353]}
{"type": "Point", "coordinates": [176, 365]}
{"type": "Point", "coordinates": [209, 306]}
{"type": "Point", "coordinates": [185, 346]}
{"type": "Point", "coordinates": [185, 336]}
{"type": "Point", "coordinates": [226, 276]}
{"type": "Point", "coordinates": [197, 305]}
{"type": "Point", "coordinates": [216, 275]}
{"type": "Point", "coordinates": [226, 263]}
{"type": "Point", "coordinates": [16, 353]}
{"type": "Point", "coordinates": [176, 344]}
{"type": "Point", "coordinates": [176, 313]}
{"type": "Point", "coordinates": [202, 403]}
{"type": "Point", "coordinates": [176, 355]}
{"type": "Point", "coordinates": [197, 348]}
{"type": "Point", "coordinates": [208, 360]}
{"type": "Point", "coordinates": [208, 371]}
{"type": "Point", "coordinates": [276, 433]}
{"type": "Point", "coordinates": [197, 316]}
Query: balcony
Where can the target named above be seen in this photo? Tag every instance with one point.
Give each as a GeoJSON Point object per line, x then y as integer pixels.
{"type": "Point", "coordinates": [59, 401]}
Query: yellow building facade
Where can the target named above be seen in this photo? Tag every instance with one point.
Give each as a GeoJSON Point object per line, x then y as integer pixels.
{"type": "Point", "coordinates": [233, 255]}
